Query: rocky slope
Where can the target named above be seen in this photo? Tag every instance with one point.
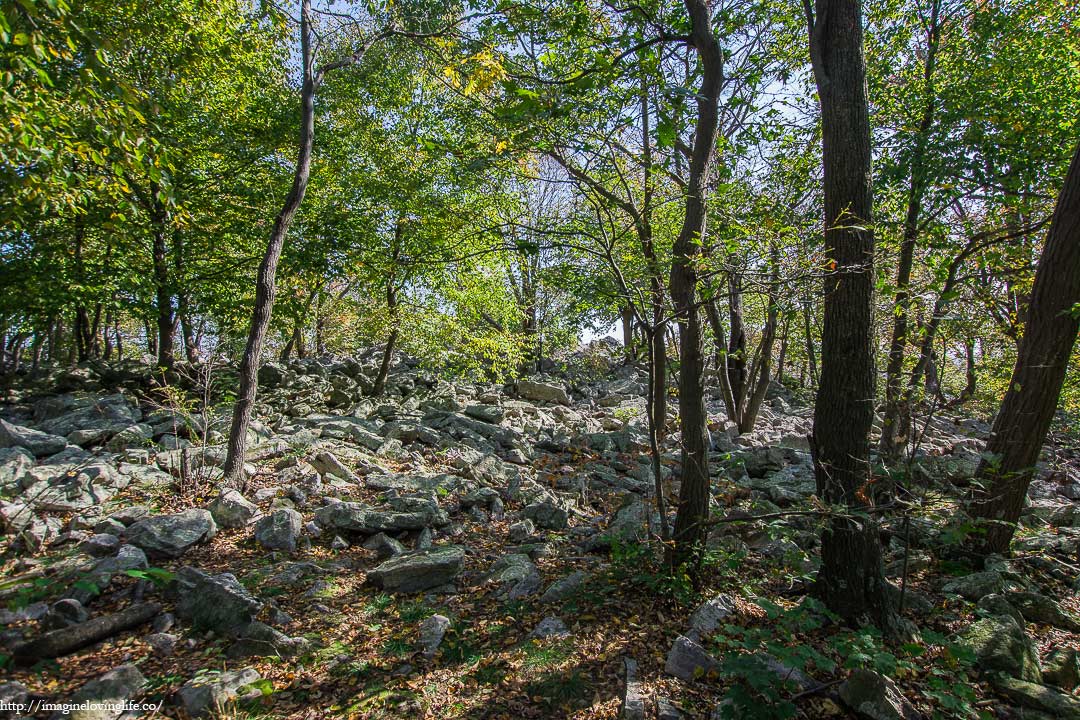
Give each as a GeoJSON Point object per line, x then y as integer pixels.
{"type": "Point", "coordinates": [460, 550]}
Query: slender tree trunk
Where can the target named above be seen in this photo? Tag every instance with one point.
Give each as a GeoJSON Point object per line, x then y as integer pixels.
{"type": "Point", "coordinates": [851, 580]}
{"type": "Point", "coordinates": [690, 528]}
{"type": "Point", "coordinates": [266, 281]}
{"type": "Point", "coordinates": [782, 360]}
{"type": "Point", "coordinates": [166, 323]}
{"type": "Point", "coordinates": [628, 332]}
{"type": "Point", "coordinates": [768, 342]}
{"type": "Point", "coordinates": [811, 351]}
{"type": "Point", "coordinates": [1050, 331]}
{"type": "Point", "coordinates": [736, 351]}
{"type": "Point", "coordinates": [379, 386]}
{"type": "Point", "coordinates": [889, 446]}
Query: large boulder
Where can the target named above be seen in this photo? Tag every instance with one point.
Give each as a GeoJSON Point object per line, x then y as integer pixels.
{"type": "Point", "coordinates": [1002, 646]}
{"type": "Point", "coordinates": [514, 576]}
{"type": "Point", "coordinates": [36, 442]}
{"type": "Point", "coordinates": [76, 489]}
{"type": "Point", "coordinates": [547, 515]}
{"type": "Point", "coordinates": [14, 463]}
{"type": "Point", "coordinates": [1033, 696]}
{"type": "Point", "coordinates": [359, 518]}
{"type": "Point", "coordinates": [688, 661]}
{"type": "Point", "coordinates": [213, 602]}
{"type": "Point", "coordinates": [279, 530]}
{"type": "Point", "coordinates": [418, 571]}
{"type": "Point", "coordinates": [542, 392]}
{"type": "Point", "coordinates": [171, 535]}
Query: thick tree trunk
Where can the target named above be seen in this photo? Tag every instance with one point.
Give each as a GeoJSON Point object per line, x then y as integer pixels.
{"type": "Point", "coordinates": [690, 528]}
{"type": "Point", "coordinates": [266, 282]}
{"type": "Point", "coordinates": [892, 442]}
{"type": "Point", "coordinates": [851, 580]}
{"type": "Point", "coordinates": [1026, 412]}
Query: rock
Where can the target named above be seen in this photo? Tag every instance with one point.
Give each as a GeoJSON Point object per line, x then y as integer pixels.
{"type": "Point", "coordinates": [1062, 668]}
{"type": "Point", "coordinates": [36, 442]}
{"type": "Point", "coordinates": [279, 530]}
{"type": "Point", "coordinates": [564, 588]}
{"type": "Point", "coordinates": [549, 627]}
{"type": "Point", "coordinates": [522, 531]}
{"type": "Point", "coordinates": [326, 463]}
{"type": "Point", "coordinates": [541, 392]}
{"type": "Point", "coordinates": [707, 618]}
{"type": "Point", "coordinates": [633, 702]}
{"type": "Point", "coordinates": [432, 631]}
{"type": "Point", "coordinates": [689, 661]}
{"type": "Point", "coordinates": [163, 644]}
{"type": "Point", "coordinates": [515, 575]}
{"type": "Point", "coordinates": [1039, 697]}
{"type": "Point", "coordinates": [666, 710]}
{"type": "Point", "coordinates": [105, 696]}
{"type": "Point", "coordinates": [171, 535]}
{"type": "Point", "coordinates": [211, 694]}
{"type": "Point", "coordinates": [1038, 608]}
{"type": "Point", "coordinates": [359, 518]}
{"type": "Point", "coordinates": [14, 697]}
{"type": "Point", "coordinates": [213, 602]}
{"type": "Point", "coordinates": [547, 515]}
{"type": "Point", "coordinates": [339, 543]}
{"type": "Point", "coordinates": [232, 510]}
{"type": "Point", "coordinates": [418, 571]}
{"type": "Point", "coordinates": [257, 639]}
{"type": "Point", "coordinates": [876, 697]}
{"type": "Point", "coordinates": [65, 613]}
{"type": "Point", "coordinates": [976, 585]}
{"type": "Point", "coordinates": [14, 463]}
{"type": "Point", "coordinates": [100, 545]}
{"type": "Point", "coordinates": [486, 413]}
{"type": "Point", "coordinates": [273, 375]}
{"type": "Point", "coordinates": [626, 526]}
{"type": "Point", "coordinates": [1002, 646]}
{"type": "Point", "coordinates": [384, 546]}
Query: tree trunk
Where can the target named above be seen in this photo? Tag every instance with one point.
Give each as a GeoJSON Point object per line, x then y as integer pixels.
{"type": "Point", "coordinates": [851, 580]}
{"type": "Point", "coordinates": [888, 445]}
{"type": "Point", "coordinates": [811, 351]}
{"type": "Point", "coordinates": [266, 281]}
{"type": "Point", "coordinates": [166, 324]}
{"type": "Point", "coordinates": [628, 332]}
{"type": "Point", "coordinates": [690, 528]}
{"type": "Point", "coordinates": [1026, 412]}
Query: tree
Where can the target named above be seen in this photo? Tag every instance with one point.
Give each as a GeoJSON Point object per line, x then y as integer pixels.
{"type": "Point", "coordinates": [851, 579]}
{"type": "Point", "coordinates": [1050, 330]}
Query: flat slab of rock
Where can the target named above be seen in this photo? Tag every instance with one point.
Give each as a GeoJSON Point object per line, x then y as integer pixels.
{"type": "Point", "coordinates": [542, 392]}
{"type": "Point", "coordinates": [171, 535]}
{"type": "Point", "coordinates": [419, 571]}
{"type": "Point", "coordinates": [359, 518]}
{"type": "Point", "coordinates": [37, 442]}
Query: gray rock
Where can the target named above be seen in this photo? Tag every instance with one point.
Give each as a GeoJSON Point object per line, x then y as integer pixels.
{"type": "Point", "coordinates": [1038, 608]}
{"type": "Point", "coordinates": [1002, 646]}
{"type": "Point", "coordinates": [486, 413]}
{"type": "Point", "coordinates": [279, 530]}
{"type": "Point", "coordinates": [633, 702]}
{"type": "Point", "coordinates": [213, 602]}
{"type": "Point", "coordinates": [432, 631]}
{"type": "Point", "coordinates": [106, 695]}
{"type": "Point", "coordinates": [36, 442]}
{"type": "Point", "coordinates": [100, 545]}
{"type": "Point", "coordinates": [14, 694]}
{"type": "Point", "coordinates": [666, 710]}
{"type": "Point", "coordinates": [384, 546]}
{"type": "Point", "coordinates": [542, 392]}
{"type": "Point", "coordinates": [211, 694]}
{"type": "Point", "coordinates": [162, 643]}
{"type": "Point", "coordinates": [1062, 668]}
{"type": "Point", "coordinates": [65, 613]}
{"type": "Point", "coordinates": [564, 587]}
{"type": "Point", "coordinates": [550, 627]}
{"type": "Point", "coordinates": [419, 571]}
{"type": "Point", "coordinates": [360, 518]}
{"type": "Point", "coordinates": [14, 463]}
{"type": "Point", "coordinates": [1039, 697]}
{"type": "Point", "coordinates": [522, 531]}
{"type": "Point", "coordinates": [876, 697]}
{"type": "Point", "coordinates": [709, 615]}
{"type": "Point", "coordinates": [514, 575]}
{"type": "Point", "coordinates": [257, 639]}
{"type": "Point", "coordinates": [547, 515]}
{"type": "Point", "coordinates": [974, 586]}
{"type": "Point", "coordinates": [232, 510]}
{"type": "Point", "coordinates": [689, 661]}
{"type": "Point", "coordinates": [171, 535]}
{"type": "Point", "coordinates": [339, 543]}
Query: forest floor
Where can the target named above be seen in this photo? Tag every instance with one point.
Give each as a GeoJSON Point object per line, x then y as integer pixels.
{"type": "Point", "coordinates": [558, 584]}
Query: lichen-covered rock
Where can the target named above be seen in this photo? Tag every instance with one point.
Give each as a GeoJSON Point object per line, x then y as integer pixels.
{"type": "Point", "coordinates": [418, 571]}
{"type": "Point", "coordinates": [1002, 646]}
{"type": "Point", "coordinates": [359, 518]}
{"type": "Point", "coordinates": [171, 535]}
{"type": "Point", "coordinates": [232, 510]}
{"type": "Point", "coordinates": [514, 576]}
{"type": "Point", "coordinates": [279, 530]}
{"type": "Point", "coordinates": [213, 602]}
{"type": "Point", "coordinates": [1039, 697]}
{"type": "Point", "coordinates": [103, 698]}
{"type": "Point", "coordinates": [36, 442]}
{"type": "Point", "coordinates": [542, 392]}
{"type": "Point", "coordinates": [212, 693]}
{"type": "Point", "coordinates": [876, 697]}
